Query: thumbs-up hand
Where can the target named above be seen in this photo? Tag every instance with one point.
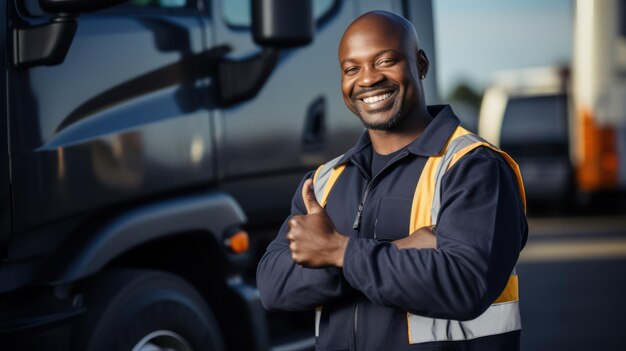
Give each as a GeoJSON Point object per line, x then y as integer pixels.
{"type": "Point", "coordinates": [313, 239]}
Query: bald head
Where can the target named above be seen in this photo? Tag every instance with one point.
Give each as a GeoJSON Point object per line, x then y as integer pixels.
{"type": "Point", "coordinates": [386, 23]}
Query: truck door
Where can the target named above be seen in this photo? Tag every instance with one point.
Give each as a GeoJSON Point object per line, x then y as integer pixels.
{"type": "Point", "coordinates": [5, 194]}
{"type": "Point", "coordinates": [297, 121]}
{"type": "Point", "coordinates": [123, 117]}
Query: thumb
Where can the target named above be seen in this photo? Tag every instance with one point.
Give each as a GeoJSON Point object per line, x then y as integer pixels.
{"type": "Point", "coordinates": [308, 196]}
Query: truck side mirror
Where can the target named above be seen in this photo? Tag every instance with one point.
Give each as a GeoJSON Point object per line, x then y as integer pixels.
{"type": "Point", "coordinates": [282, 23]}
{"type": "Point", "coordinates": [48, 43]}
{"type": "Point", "coordinates": [276, 24]}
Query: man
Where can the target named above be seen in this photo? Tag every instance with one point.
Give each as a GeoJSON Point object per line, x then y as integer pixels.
{"type": "Point", "coordinates": [347, 252]}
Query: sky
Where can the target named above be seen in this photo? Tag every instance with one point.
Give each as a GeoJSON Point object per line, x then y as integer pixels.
{"type": "Point", "coordinates": [476, 38]}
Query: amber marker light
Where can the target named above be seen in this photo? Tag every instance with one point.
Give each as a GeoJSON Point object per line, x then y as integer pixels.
{"type": "Point", "coordinates": [239, 242]}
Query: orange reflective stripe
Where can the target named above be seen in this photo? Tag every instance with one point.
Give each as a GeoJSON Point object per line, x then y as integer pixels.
{"type": "Point", "coordinates": [457, 133]}
{"type": "Point", "coordinates": [331, 182]}
{"type": "Point", "coordinates": [423, 196]}
{"type": "Point", "coordinates": [511, 291]}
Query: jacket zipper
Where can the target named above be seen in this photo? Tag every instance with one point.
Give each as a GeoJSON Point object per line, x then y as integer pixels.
{"type": "Point", "coordinates": [357, 221]}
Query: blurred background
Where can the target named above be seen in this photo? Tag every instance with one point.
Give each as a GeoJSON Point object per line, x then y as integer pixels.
{"type": "Point", "coordinates": [150, 150]}
{"type": "Point", "coordinates": [476, 42]}
{"type": "Point", "coordinates": [544, 80]}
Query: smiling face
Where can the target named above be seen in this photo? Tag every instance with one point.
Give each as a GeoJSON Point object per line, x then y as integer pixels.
{"type": "Point", "coordinates": [380, 79]}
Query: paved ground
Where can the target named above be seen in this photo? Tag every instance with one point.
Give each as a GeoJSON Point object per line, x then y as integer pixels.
{"type": "Point", "coordinates": [573, 284]}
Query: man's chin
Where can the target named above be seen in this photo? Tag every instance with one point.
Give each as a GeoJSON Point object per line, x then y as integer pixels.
{"type": "Point", "coordinates": [380, 123]}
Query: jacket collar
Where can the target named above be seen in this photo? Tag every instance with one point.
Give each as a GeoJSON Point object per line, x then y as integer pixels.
{"type": "Point", "coordinates": [431, 142]}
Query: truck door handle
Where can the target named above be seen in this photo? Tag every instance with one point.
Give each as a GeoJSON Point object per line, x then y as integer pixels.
{"type": "Point", "coordinates": [315, 124]}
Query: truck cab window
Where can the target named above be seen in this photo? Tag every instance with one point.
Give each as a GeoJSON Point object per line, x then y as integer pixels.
{"type": "Point", "coordinates": [237, 13]}
{"type": "Point", "coordinates": [167, 4]}
{"type": "Point", "coordinates": [31, 8]}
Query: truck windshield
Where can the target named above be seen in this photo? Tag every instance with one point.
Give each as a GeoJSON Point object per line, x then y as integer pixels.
{"type": "Point", "coordinates": [536, 119]}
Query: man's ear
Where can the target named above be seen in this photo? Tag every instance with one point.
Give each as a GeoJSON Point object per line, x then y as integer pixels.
{"type": "Point", "coordinates": [422, 63]}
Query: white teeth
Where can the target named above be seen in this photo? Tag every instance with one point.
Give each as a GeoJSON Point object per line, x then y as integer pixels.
{"type": "Point", "coordinates": [377, 98]}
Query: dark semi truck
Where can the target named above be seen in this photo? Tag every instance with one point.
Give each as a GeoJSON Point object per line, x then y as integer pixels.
{"type": "Point", "coordinates": [138, 139]}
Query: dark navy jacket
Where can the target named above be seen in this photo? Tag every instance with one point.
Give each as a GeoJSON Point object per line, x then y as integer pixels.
{"type": "Point", "coordinates": [480, 232]}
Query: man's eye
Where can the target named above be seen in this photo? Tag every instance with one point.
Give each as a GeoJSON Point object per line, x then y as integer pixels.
{"type": "Point", "coordinates": [350, 70]}
{"type": "Point", "coordinates": [386, 62]}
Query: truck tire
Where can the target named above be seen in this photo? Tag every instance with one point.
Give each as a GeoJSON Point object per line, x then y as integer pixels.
{"type": "Point", "coordinates": [144, 310]}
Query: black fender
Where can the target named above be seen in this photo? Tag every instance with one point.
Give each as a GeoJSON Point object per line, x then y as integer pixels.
{"type": "Point", "coordinates": [211, 213]}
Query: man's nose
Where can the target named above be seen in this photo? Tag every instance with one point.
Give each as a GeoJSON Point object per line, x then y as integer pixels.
{"type": "Point", "coordinates": [370, 77]}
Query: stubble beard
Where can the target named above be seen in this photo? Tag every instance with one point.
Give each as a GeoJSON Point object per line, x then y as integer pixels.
{"type": "Point", "coordinates": [386, 125]}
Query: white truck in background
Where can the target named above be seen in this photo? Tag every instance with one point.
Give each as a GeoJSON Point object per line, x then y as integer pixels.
{"type": "Point", "coordinates": [525, 112]}
{"type": "Point", "coordinates": [567, 127]}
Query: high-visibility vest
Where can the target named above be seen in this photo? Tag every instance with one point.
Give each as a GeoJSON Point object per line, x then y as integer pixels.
{"type": "Point", "coordinates": [503, 315]}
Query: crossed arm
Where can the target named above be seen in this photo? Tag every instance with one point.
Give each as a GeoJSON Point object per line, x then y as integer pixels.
{"type": "Point", "coordinates": [301, 268]}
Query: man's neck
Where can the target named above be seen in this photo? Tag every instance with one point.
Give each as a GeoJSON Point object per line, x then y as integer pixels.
{"type": "Point", "coordinates": [410, 128]}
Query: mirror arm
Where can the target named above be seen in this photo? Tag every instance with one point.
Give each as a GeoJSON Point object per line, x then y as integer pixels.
{"type": "Point", "coordinates": [45, 44]}
{"type": "Point", "coordinates": [240, 80]}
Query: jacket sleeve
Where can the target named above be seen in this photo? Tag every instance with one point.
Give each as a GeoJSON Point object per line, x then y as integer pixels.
{"type": "Point", "coordinates": [480, 231]}
{"type": "Point", "coordinates": [287, 286]}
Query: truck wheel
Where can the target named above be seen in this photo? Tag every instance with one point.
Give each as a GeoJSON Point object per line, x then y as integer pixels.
{"type": "Point", "coordinates": [143, 310]}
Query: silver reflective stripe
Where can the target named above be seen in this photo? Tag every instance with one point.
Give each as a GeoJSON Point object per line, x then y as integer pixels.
{"type": "Point", "coordinates": [455, 146]}
{"type": "Point", "coordinates": [318, 318]}
{"type": "Point", "coordinates": [322, 177]}
{"type": "Point", "coordinates": [498, 319]}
